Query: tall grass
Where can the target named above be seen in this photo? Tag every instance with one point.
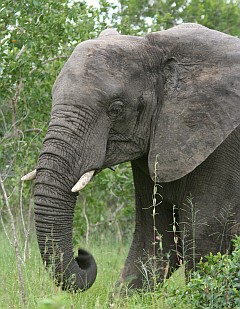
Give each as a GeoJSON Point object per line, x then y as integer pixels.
{"type": "Point", "coordinates": [39, 287]}
{"type": "Point", "coordinates": [215, 285]}
{"type": "Point", "coordinates": [41, 293]}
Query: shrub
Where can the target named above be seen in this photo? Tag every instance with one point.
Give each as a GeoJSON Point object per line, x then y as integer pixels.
{"type": "Point", "coordinates": [216, 283]}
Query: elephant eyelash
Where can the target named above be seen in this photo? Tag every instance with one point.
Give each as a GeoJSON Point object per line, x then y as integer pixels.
{"type": "Point", "coordinates": [116, 109]}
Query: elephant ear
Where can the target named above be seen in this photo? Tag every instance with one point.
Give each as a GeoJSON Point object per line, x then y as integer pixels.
{"type": "Point", "coordinates": [200, 105]}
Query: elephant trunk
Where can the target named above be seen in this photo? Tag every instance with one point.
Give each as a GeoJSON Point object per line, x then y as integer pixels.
{"type": "Point", "coordinates": [53, 221]}
{"type": "Point", "coordinates": [58, 169]}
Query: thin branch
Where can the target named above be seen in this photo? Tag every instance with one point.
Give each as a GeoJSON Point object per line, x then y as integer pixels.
{"type": "Point", "coordinates": [4, 121]}
{"type": "Point", "coordinates": [21, 207]}
{"type": "Point", "coordinates": [26, 247]}
{"type": "Point", "coordinates": [22, 118]}
{"type": "Point", "coordinates": [11, 163]}
{"type": "Point", "coordinates": [14, 102]}
{"type": "Point", "coordinates": [15, 241]}
{"type": "Point", "coordinates": [55, 58]}
{"type": "Point", "coordinates": [20, 52]}
{"type": "Point", "coordinates": [4, 229]}
{"type": "Point", "coordinates": [87, 222]}
{"type": "Point", "coordinates": [34, 130]}
{"type": "Point", "coordinates": [49, 60]}
{"type": "Point", "coordinates": [117, 210]}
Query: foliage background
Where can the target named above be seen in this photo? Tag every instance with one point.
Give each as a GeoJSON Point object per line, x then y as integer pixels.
{"type": "Point", "coordinates": [37, 37]}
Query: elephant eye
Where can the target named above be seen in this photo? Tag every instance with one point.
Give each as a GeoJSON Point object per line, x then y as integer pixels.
{"type": "Point", "coordinates": [115, 109]}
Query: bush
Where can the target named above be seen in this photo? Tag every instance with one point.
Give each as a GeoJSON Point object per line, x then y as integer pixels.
{"type": "Point", "coordinates": [216, 283]}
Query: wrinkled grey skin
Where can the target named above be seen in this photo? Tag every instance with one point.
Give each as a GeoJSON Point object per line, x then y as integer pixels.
{"type": "Point", "coordinates": [169, 103]}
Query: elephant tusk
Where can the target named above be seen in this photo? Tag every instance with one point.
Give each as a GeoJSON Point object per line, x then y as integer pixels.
{"type": "Point", "coordinates": [29, 176]}
{"type": "Point", "coordinates": [83, 181]}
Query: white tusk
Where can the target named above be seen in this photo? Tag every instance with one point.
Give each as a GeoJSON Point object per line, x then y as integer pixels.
{"type": "Point", "coordinates": [29, 176]}
{"type": "Point", "coordinates": [83, 181]}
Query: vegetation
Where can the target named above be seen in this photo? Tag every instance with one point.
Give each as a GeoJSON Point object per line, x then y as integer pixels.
{"type": "Point", "coordinates": [39, 287]}
{"type": "Point", "coordinates": [37, 38]}
{"type": "Point", "coordinates": [215, 285]}
{"type": "Point", "coordinates": [139, 16]}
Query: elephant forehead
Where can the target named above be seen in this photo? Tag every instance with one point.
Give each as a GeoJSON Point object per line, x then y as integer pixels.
{"type": "Point", "coordinates": [87, 80]}
{"type": "Point", "coordinates": [96, 66]}
{"type": "Point", "coordinates": [106, 55]}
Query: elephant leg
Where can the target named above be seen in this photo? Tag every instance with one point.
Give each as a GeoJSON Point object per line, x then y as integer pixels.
{"type": "Point", "coordinates": [202, 233]}
{"type": "Point", "coordinates": [211, 217]}
{"type": "Point", "coordinates": [152, 253]}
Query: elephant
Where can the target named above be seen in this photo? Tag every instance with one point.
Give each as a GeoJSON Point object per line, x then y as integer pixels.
{"type": "Point", "coordinates": [168, 102]}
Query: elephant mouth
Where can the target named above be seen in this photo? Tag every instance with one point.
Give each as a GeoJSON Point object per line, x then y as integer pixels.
{"type": "Point", "coordinates": [122, 149]}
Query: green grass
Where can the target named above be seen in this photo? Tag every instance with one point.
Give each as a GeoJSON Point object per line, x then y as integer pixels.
{"type": "Point", "coordinates": [39, 286]}
{"type": "Point", "coordinates": [41, 293]}
{"type": "Point", "coordinates": [215, 285]}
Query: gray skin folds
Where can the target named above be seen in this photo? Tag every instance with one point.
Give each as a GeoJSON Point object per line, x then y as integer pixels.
{"type": "Point", "coordinates": [169, 102]}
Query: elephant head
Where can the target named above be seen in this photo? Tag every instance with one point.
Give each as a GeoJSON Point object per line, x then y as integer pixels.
{"type": "Point", "coordinates": [172, 96]}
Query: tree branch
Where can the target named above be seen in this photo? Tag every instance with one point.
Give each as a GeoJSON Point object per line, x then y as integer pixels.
{"type": "Point", "coordinates": [49, 60]}
{"type": "Point", "coordinates": [15, 241]}
{"type": "Point", "coordinates": [55, 58]}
